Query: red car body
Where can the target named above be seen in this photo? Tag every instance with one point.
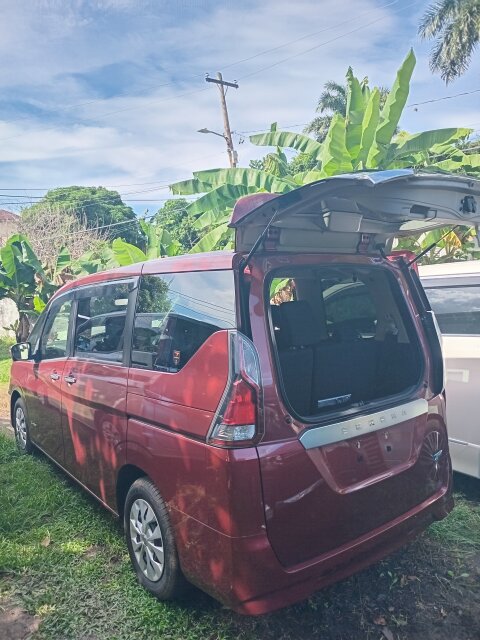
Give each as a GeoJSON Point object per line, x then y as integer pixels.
{"type": "Point", "coordinates": [261, 524]}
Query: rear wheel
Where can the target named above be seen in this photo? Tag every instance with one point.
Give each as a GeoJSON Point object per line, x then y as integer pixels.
{"type": "Point", "coordinates": [150, 541]}
{"type": "Point", "coordinates": [21, 427]}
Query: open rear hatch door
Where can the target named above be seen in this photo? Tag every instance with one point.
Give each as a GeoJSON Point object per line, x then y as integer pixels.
{"type": "Point", "coordinates": [337, 213]}
{"type": "Point", "coordinates": [344, 478]}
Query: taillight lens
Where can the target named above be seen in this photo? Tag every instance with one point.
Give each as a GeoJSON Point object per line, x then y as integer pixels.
{"type": "Point", "coordinates": [242, 404]}
{"type": "Point", "coordinates": [236, 422]}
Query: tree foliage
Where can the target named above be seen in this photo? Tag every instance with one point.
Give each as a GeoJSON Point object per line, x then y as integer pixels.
{"type": "Point", "coordinates": [454, 25]}
{"type": "Point", "coordinates": [173, 217]}
{"type": "Point", "coordinates": [93, 206]}
{"type": "Point", "coordinates": [53, 229]}
{"type": "Point", "coordinates": [333, 99]}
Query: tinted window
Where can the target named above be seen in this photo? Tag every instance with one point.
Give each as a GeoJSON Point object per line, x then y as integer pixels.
{"type": "Point", "coordinates": [176, 313]}
{"type": "Point", "coordinates": [55, 335]}
{"type": "Point", "coordinates": [36, 331]}
{"type": "Point", "coordinates": [100, 322]}
{"type": "Point", "coordinates": [457, 309]}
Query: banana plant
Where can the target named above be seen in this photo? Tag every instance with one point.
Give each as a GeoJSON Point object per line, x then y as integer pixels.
{"type": "Point", "coordinates": [23, 280]}
{"type": "Point", "coordinates": [367, 137]}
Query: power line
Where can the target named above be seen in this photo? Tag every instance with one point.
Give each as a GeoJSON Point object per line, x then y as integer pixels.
{"type": "Point", "coordinates": [156, 100]}
{"type": "Point", "coordinates": [309, 35]}
{"type": "Point", "coordinates": [455, 95]}
{"type": "Point", "coordinates": [235, 63]}
{"type": "Point", "coordinates": [322, 44]}
{"type": "Point", "coordinates": [111, 113]}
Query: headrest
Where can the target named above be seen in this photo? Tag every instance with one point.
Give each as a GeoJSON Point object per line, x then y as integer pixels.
{"type": "Point", "coordinates": [298, 324]}
{"type": "Point", "coordinates": [115, 323]}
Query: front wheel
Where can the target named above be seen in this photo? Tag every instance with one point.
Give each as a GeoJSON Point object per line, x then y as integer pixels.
{"type": "Point", "coordinates": [21, 427]}
{"type": "Point", "coordinates": [150, 541]}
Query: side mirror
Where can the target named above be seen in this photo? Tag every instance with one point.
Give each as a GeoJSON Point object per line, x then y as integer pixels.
{"type": "Point", "coordinates": [21, 351]}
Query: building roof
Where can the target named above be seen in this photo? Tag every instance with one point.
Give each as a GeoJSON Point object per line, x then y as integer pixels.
{"type": "Point", "coordinates": [8, 216]}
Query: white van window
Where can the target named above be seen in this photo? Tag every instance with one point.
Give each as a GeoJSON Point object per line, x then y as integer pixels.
{"type": "Point", "coordinates": [457, 309]}
{"type": "Point", "coordinates": [176, 313]}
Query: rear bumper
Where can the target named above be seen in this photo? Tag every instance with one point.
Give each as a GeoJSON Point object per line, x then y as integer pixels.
{"type": "Point", "coordinates": [245, 575]}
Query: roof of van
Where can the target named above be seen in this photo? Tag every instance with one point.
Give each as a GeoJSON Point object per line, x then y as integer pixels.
{"type": "Point", "coordinates": [460, 268]}
{"type": "Point", "coordinates": [189, 262]}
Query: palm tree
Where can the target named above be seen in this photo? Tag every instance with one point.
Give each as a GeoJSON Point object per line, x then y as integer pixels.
{"type": "Point", "coordinates": [455, 25]}
{"type": "Point", "coordinates": [333, 99]}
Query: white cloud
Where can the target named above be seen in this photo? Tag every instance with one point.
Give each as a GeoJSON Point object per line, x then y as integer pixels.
{"type": "Point", "coordinates": [152, 134]}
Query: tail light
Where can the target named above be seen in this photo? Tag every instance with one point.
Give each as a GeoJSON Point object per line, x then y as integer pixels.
{"type": "Point", "coordinates": [236, 422]}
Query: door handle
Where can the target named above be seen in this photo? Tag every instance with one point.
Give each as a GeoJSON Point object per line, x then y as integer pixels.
{"type": "Point", "coordinates": [70, 379]}
{"type": "Point", "coordinates": [55, 376]}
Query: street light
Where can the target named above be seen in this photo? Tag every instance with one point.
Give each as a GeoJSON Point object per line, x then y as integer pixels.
{"type": "Point", "coordinates": [232, 154]}
{"type": "Point", "coordinates": [205, 130]}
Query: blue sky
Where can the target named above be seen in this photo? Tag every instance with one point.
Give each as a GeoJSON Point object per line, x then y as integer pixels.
{"type": "Point", "coordinates": [112, 92]}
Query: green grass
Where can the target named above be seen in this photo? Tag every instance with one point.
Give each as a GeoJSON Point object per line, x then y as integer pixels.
{"type": "Point", "coordinates": [63, 558]}
{"type": "Point", "coordinates": [461, 530]}
{"type": "Point", "coordinates": [5, 359]}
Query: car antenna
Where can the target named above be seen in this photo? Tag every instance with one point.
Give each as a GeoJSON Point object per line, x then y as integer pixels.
{"type": "Point", "coordinates": [430, 246]}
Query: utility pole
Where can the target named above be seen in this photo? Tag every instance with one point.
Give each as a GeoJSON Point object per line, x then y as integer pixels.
{"type": "Point", "coordinates": [221, 84]}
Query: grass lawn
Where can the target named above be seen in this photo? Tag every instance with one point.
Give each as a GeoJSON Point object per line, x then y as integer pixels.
{"type": "Point", "coordinates": [5, 365]}
{"type": "Point", "coordinates": [64, 571]}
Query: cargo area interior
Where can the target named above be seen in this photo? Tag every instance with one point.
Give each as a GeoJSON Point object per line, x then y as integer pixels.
{"type": "Point", "coordinates": [343, 336]}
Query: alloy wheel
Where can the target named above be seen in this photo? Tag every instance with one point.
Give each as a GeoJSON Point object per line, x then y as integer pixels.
{"type": "Point", "coordinates": [21, 427]}
{"type": "Point", "coordinates": [147, 540]}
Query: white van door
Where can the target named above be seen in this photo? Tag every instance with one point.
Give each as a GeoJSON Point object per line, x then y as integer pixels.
{"type": "Point", "coordinates": [455, 299]}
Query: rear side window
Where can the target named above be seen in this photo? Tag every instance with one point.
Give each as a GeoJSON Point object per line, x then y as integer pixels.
{"type": "Point", "coordinates": [176, 313]}
{"type": "Point", "coordinates": [457, 309]}
{"type": "Point", "coordinates": [100, 322]}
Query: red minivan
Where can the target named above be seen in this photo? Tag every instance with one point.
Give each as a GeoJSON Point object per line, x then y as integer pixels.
{"type": "Point", "coordinates": [265, 421]}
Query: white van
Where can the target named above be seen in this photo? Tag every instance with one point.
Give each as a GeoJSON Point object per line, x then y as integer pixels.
{"type": "Point", "coordinates": [454, 293]}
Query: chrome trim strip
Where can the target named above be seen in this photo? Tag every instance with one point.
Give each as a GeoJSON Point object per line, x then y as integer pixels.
{"type": "Point", "coordinates": [464, 443]}
{"type": "Point", "coordinates": [356, 427]}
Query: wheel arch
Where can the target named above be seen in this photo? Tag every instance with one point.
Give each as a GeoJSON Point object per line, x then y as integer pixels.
{"type": "Point", "coordinates": [13, 399]}
{"type": "Point", "coordinates": [125, 478]}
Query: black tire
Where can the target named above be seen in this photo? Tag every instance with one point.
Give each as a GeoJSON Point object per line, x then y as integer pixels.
{"type": "Point", "coordinates": [21, 427]}
{"type": "Point", "coordinates": [145, 559]}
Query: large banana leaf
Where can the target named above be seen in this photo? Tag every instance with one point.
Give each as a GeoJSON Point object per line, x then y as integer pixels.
{"type": "Point", "coordinates": [335, 157]}
{"type": "Point", "coordinates": [395, 102]}
{"type": "Point", "coordinates": [254, 179]}
{"type": "Point", "coordinates": [212, 218]}
{"type": "Point", "coordinates": [220, 198]}
{"type": "Point", "coordinates": [470, 164]}
{"type": "Point", "coordinates": [354, 117]}
{"type": "Point", "coordinates": [297, 141]}
{"type": "Point", "coordinates": [369, 126]}
{"type": "Point", "coordinates": [16, 271]}
{"type": "Point", "coordinates": [126, 253]}
{"type": "Point", "coordinates": [210, 240]}
{"type": "Point", "coordinates": [313, 176]}
{"type": "Point", "coordinates": [150, 231]}
{"type": "Point", "coordinates": [189, 187]}
{"type": "Point", "coordinates": [428, 139]}
{"type": "Point", "coordinates": [25, 252]}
